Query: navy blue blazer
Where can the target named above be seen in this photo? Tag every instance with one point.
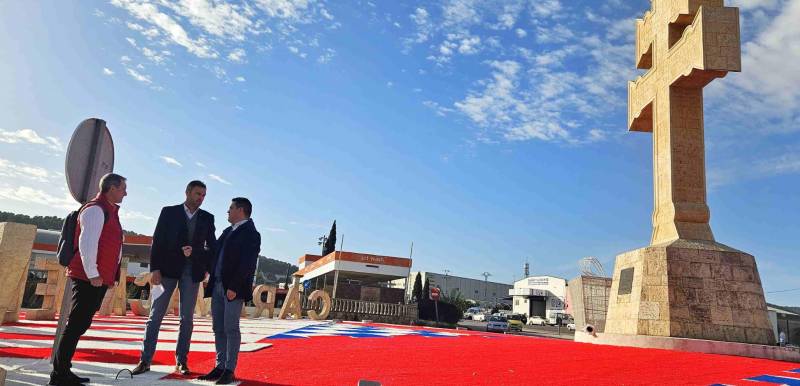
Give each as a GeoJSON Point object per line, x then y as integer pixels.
{"type": "Point", "coordinates": [239, 257]}
{"type": "Point", "coordinates": [172, 233]}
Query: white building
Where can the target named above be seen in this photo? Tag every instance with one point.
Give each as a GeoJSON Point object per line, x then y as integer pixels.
{"type": "Point", "coordinates": [544, 296]}
{"type": "Point", "coordinates": [486, 293]}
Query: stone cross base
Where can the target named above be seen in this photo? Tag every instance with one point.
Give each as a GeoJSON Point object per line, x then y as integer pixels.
{"type": "Point", "coordinates": [692, 345]}
{"type": "Point", "coordinates": [689, 289]}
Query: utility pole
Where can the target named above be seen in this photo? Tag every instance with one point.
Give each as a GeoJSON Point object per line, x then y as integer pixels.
{"type": "Point", "coordinates": [446, 274]}
{"type": "Point", "coordinates": [485, 283]}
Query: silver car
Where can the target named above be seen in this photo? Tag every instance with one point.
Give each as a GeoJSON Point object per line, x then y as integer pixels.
{"type": "Point", "coordinates": [497, 324]}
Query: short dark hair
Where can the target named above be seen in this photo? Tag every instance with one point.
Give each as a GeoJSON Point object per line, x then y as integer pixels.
{"type": "Point", "coordinates": [243, 204]}
{"type": "Point", "coordinates": [109, 180]}
{"type": "Point", "coordinates": [195, 184]}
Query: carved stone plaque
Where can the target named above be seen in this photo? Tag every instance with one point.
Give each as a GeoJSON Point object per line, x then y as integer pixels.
{"type": "Point", "coordinates": [625, 281]}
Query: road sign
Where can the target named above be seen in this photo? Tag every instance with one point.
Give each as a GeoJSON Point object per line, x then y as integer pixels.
{"type": "Point", "coordinates": [435, 294]}
{"type": "Point", "coordinates": [90, 155]}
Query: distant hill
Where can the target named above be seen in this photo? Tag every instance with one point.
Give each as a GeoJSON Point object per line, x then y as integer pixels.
{"type": "Point", "coordinates": [52, 223]}
{"type": "Point", "coordinates": [271, 271]}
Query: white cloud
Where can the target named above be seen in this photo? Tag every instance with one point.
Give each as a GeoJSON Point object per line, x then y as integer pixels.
{"type": "Point", "coordinates": [285, 9]}
{"type": "Point", "coordinates": [138, 76]}
{"type": "Point", "coordinates": [742, 169]}
{"type": "Point", "coordinates": [218, 18]}
{"type": "Point", "coordinates": [170, 160]}
{"type": "Point", "coordinates": [30, 195]}
{"type": "Point", "coordinates": [30, 136]}
{"type": "Point", "coordinates": [769, 61]}
{"type": "Point", "coordinates": [154, 56]}
{"type": "Point", "coordinates": [125, 59]}
{"type": "Point", "coordinates": [545, 8]}
{"type": "Point", "coordinates": [273, 229]}
{"type": "Point", "coordinates": [240, 79]}
{"type": "Point", "coordinates": [218, 179]}
{"type": "Point", "coordinates": [237, 55]}
{"type": "Point", "coordinates": [521, 33]}
{"type": "Point", "coordinates": [327, 56]}
{"type": "Point", "coordinates": [200, 164]}
{"type": "Point", "coordinates": [469, 45]}
{"type": "Point", "coordinates": [106, 71]}
{"type": "Point", "coordinates": [389, 84]}
{"type": "Point", "coordinates": [169, 26]}
{"type": "Point", "coordinates": [127, 214]}
{"type": "Point", "coordinates": [10, 169]}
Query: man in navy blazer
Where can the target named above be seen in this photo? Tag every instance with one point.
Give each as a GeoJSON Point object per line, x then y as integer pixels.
{"type": "Point", "coordinates": [231, 285]}
{"type": "Point", "coordinates": [183, 246]}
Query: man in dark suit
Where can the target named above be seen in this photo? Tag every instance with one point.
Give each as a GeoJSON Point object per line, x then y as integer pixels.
{"type": "Point", "coordinates": [230, 286]}
{"type": "Point", "coordinates": [183, 245]}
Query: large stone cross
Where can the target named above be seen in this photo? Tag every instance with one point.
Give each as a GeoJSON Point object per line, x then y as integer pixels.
{"type": "Point", "coordinates": [684, 44]}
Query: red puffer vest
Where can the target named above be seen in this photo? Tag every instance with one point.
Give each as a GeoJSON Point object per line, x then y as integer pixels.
{"type": "Point", "coordinates": [108, 248]}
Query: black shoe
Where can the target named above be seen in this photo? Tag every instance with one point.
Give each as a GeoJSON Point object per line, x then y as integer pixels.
{"type": "Point", "coordinates": [56, 379]}
{"type": "Point", "coordinates": [141, 368]}
{"type": "Point", "coordinates": [76, 378]}
{"type": "Point", "coordinates": [226, 378]}
{"type": "Point", "coordinates": [182, 368]}
{"type": "Point", "coordinates": [213, 375]}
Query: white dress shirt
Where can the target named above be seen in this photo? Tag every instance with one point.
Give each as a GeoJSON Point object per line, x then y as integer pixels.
{"type": "Point", "coordinates": [189, 213]}
{"type": "Point", "coordinates": [239, 223]}
{"type": "Point", "coordinates": [92, 220]}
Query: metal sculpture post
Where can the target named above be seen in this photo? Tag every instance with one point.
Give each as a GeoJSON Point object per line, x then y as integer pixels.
{"type": "Point", "coordinates": [90, 155]}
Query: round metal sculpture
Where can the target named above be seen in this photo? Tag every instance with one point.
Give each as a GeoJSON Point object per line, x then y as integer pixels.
{"type": "Point", "coordinates": [590, 266]}
{"type": "Point", "coordinates": [90, 155]}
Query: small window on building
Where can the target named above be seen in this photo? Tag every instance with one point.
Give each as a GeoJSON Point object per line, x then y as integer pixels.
{"type": "Point", "coordinates": [476, 292]}
{"type": "Point", "coordinates": [516, 302]}
{"type": "Point", "coordinates": [144, 265]}
{"type": "Point", "coordinates": [494, 293]}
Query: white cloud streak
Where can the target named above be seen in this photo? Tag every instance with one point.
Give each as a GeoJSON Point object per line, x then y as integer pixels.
{"type": "Point", "coordinates": [219, 179]}
{"type": "Point", "coordinates": [30, 136]}
{"type": "Point", "coordinates": [170, 161]}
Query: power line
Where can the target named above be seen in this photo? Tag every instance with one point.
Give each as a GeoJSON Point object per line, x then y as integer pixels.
{"type": "Point", "coordinates": [789, 290]}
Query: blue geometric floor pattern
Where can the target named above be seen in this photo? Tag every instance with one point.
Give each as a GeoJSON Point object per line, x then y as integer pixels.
{"type": "Point", "coordinates": [789, 378]}
{"type": "Point", "coordinates": [355, 331]}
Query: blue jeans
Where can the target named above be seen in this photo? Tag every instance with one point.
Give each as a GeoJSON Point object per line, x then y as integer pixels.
{"type": "Point", "coordinates": [225, 316]}
{"type": "Point", "coordinates": [188, 299]}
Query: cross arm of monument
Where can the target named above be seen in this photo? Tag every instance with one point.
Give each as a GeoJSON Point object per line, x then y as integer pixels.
{"type": "Point", "coordinates": [687, 45]}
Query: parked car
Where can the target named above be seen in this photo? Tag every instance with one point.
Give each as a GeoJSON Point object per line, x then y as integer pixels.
{"type": "Point", "coordinates": [536, 321]}
{"type": "Point", "coordinates": [471, 312]}
{"type": "Point", "coordinates": [479, 317]}
{"type": "Point", "coordinates": [497, 324]}
{"type": "Point", "coordinates": [571, 326]}
{"type": "Point", "coordinates": [515, 322]}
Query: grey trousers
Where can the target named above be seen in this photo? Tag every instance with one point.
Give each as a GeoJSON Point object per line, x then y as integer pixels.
{"type": "Point", "coordinates": [227, 336]}
{"type": "Point", "coordinates": [188, 299]}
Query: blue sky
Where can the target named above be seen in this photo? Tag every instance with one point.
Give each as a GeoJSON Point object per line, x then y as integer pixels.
{"type": "Point", "coordinates": [485, 132]}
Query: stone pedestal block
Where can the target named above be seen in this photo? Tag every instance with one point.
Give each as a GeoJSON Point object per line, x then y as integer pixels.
{"type": "Point", "coordinates": [16, 244]}
{"type": "Point", "coordinates": [689, 289]}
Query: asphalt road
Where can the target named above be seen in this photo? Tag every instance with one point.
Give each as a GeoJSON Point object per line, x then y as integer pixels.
{"type": "Point", "coordinates": [541, 331]}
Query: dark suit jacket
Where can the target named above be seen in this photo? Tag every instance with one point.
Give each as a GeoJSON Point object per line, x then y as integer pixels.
{"type": "Point", "coordinates": [171, 235]}
{"type": "Point", "coordinates": [239, 259]}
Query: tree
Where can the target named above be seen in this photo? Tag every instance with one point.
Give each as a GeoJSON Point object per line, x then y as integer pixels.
{"type": "Point", "coordinates": [417, 292]}
{"type": "Point", "coordinates": [330, 242]}
{"type": "Point", "coordinates": [426, 291]}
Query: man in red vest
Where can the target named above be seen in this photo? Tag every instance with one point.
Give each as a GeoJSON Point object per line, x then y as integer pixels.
{"type": "Point", "coordinates": [94, 269]}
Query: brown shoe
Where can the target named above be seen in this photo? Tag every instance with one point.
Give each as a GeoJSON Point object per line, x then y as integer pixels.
{"type": "Point", "coordinates": [182, 368]}
{"type": "Point", "coordinates": [141, 368]}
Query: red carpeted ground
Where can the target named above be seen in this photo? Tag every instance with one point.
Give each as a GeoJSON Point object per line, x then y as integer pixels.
{"type": "Point", "coordinates": [486, 359]}
{"type": "Point", "coordinates": [472, 358]}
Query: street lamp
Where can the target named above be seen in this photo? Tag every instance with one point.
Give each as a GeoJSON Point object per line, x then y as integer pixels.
{"type": "Point", "coordinates": [485, 283]}
{"type": "Point", "coordinates": [322, 241]}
